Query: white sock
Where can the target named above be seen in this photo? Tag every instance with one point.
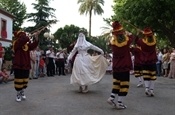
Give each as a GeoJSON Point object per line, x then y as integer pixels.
{"type": "Point", "coordinates": [120, 98]}
{"type": "Point", "coordinates": [147, 84]}
{"type": "Point", "coordinates": [18, 92]}
{"type": "Point", "coordinates": [152, 85]}
{"type": "Point", "coordinates": [112, 96]}
{"type": "Point", "coordinates": [140, 80]}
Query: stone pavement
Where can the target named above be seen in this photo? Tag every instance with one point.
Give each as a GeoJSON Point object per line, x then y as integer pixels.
{"type": "Point", "coordinates": [55, 96]}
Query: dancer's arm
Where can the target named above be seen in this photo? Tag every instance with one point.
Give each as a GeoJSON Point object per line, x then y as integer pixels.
{"type": "Point", "coordinates": [72, 53]}
{"type": "Point", "coordinates": [97, 49]}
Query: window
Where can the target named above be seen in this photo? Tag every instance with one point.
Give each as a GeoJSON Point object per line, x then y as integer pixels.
{"type": "Point", "coordinates": [3, 28]}
{"type": "Point", "coordinates": [3, 25]}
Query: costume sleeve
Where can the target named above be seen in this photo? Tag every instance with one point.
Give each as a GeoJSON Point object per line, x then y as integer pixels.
{"type": "Point", "coordinates": [96, 48]}
{"type": "Point", "coordinates": [132, 38]}
{"type": "Point", "coordinates": [136, 38]}
{"type": "Point", "coordinates": [72, 53]}
{"type": "Point", "coordinates": [137, 41]}
{"type": "Point", "coordinates": [33, 45]}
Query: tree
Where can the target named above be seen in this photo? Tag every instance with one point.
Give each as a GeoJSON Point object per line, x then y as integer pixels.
{"type": "Point", "coordinates": [157, 14]}
{"type": "Point", "coordinates": [107, 30]}
{"type": "Point", "coordinates": [88, 6]}
{"type": "Point", "coordinates": [17, 9]}
{"type": "Point", "coordinates": [102, 43]}
{"type": "Point", "coordinates": [43, 16]}
{"type": "Point", "coordinates": [67, 35]}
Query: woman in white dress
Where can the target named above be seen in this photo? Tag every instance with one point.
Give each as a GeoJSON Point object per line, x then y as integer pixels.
{"type": "Point", "coordinates": [87, 69]}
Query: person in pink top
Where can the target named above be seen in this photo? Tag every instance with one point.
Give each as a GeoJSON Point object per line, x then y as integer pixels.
{"type": "Point", "coordinates": [2, 52]}
{"type": "Point", "coordinates": [4, 75]}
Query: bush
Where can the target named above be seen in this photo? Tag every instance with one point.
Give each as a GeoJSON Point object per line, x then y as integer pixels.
{"type": "Point", "coordinates": [8, 54]}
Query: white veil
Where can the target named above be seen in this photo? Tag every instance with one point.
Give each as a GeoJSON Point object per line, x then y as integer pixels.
{"type": "Point", "coordinates": [81, 41]}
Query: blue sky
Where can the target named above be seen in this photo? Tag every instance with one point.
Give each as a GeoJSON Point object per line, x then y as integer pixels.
{"type": "Point", "coordinates": [67, 13]}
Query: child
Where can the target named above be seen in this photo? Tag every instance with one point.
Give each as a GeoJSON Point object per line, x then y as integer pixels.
{"type": "Point", "coordinates": [42, 67]}
{"type": "Point", "coordinates": [4, 75]}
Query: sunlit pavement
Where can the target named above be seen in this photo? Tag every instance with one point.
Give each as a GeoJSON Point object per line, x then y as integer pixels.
{"type": "Point", "coordinates": [55, 96]}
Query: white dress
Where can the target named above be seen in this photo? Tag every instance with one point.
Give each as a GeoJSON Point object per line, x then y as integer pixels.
{"type": "Point", "coordinates": [87, 69]}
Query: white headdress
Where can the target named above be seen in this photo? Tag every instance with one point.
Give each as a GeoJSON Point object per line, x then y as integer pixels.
{"type": "Point", "coordinates": [81, 41]}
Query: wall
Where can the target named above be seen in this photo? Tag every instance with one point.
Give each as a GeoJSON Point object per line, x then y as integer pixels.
{"type": "Point", "coordinates": [9, 26]}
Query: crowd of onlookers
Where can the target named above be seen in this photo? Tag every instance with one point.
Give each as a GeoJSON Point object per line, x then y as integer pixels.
{"type": "Point", "coordinates": [40, 63]}
{"type": "Point", "coordinates": [3, 72]}
{"type": "Point", "coordinates": [54, 62]}
{"type": "Point", "coordinates": [166, 62]}
{"type": "Point", "coordinates": [47, 63]}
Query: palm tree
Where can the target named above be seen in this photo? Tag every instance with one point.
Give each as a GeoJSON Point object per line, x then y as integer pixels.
{"type": "Point", "coordinates": [87, 6]}
{"type": "Point", "coordinates": [107, 29]}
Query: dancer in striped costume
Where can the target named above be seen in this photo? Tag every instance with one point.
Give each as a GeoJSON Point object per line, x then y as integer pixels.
{"type": "Point", "coordinates": [122, 64]}
{"type": "Point", "coordinates": [137, 52]}
{"type": "Point", "coordinates": [21, 65]}
{"type": "Point", "coordinates": [149, 59]}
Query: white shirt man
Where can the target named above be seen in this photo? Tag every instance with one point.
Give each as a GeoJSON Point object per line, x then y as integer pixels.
{"type": "Point", "coordinates": [50, 54]}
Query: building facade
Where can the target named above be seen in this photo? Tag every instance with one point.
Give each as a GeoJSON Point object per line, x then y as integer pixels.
{"type": "Point", "coordinates": [6, 28]}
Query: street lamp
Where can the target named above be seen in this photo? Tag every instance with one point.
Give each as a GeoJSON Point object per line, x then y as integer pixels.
{"type": "Point", "coordinates": [49, 37]}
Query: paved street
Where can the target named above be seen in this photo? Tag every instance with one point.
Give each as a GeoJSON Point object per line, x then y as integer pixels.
{"type": "Point", "coordinates": [55, 96]}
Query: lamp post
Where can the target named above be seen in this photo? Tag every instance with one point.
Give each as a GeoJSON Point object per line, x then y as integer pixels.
{"type": "Point", "coordinates": [49, 38]}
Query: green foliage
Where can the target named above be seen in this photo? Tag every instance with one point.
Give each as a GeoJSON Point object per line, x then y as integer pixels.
{"type": "Point", "coordinates": [8, 53]}
{"type": "Point", "coordinates": [17, 9]}
{"type": "Point", "coordinates": [107, 29]}
{"type": "Point", "coordinates": [101, 42]}
{"type": "Point", "coordinates": [44, 16]}
{"type": "Point", "coordinates": [67, 35]}
{"type": "Point", "coordinates": [89, 7]}
{"type": "Point", "coordinates": [163, 43]}
{"type": "Point", "coordinates": [157, 14]}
